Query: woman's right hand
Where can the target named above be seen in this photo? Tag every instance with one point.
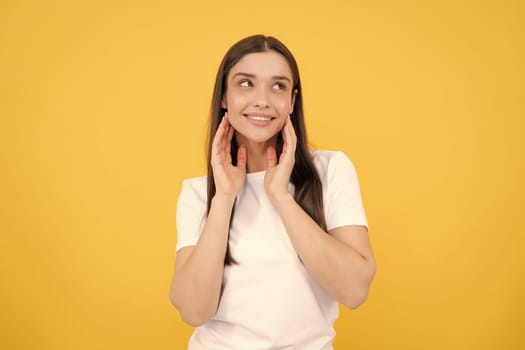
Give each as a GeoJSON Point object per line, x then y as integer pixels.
{"type": "Point", "coordinates": [229, 179]}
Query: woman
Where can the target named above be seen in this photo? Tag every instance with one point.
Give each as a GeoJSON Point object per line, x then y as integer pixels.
{"type": "Point", "coordinates": [275, 236]}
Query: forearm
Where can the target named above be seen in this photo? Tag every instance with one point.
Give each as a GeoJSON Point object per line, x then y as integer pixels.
{"type": "Point", "coordinates": [197, 283]}
{"type": "Point", "coordinates": [339, 268]}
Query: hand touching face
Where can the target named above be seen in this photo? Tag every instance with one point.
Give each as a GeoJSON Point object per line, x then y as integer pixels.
{"type": "Point", "coordinates": [229, 179]}
{"type": "Point", "coordinates": [279, 170]}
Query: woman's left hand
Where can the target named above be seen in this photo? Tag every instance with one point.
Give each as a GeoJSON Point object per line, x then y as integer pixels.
{"type": "Point", "coordinates": [278, 173]}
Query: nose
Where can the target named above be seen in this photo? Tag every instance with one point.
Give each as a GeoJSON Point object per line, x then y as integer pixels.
{"type": "Point", "coordinates": [261, 98]}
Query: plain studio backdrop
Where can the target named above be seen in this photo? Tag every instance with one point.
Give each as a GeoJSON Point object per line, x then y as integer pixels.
{"type": "Point", "coordinates": [104, 109]}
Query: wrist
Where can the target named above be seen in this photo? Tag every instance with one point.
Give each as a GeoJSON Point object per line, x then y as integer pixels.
{"type": "Point", "coordinates": [223, 199]}
{"type": "Point", "coordinates": [280, 199]}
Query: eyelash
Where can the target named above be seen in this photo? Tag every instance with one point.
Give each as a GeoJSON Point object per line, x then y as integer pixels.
{"type": "Point", "coordinates": [245, 81]}
{"type": "Point", "coordinates": [281, 86]}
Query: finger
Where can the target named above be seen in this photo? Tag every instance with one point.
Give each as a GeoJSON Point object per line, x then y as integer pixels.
{"type": "Point", "coordinates": [290, 140]}
{"type": "Point", "coordinates": [217, 139]}
{"type": "Point", "coordinates": [292, 132]}
{"type": "Point", "coordinates": [219, 134]}
{"type": "Point", "coordinates": [228, 142]}
{"type": "Point", "coordinates": [241, 158]}
{"type": "Point", "coordinates": [229, 136]}
{"type": "Point", "coordinates": [218, 142]}
{"type": "Point", "coordinates": [286, 139]}
{"type": "Point", "coordinates": [271, 157]}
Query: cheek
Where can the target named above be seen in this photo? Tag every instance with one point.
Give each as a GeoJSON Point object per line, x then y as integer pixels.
{"type": "Point", "coordinates": [284, 105]}
{"type": "Point", "coordinates": [234, 101]}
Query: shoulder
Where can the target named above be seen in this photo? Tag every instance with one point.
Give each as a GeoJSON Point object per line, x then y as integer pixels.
{"type": "Point", "coordinates": [328, 160]}
{"type": "Point", "coordinates": [194, 189]}
{"type": "Point", "coordinates": [196, 181]}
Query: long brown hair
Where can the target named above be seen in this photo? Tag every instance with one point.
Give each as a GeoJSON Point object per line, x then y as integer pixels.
{"type": "Point", "coordinates": [308, 189]}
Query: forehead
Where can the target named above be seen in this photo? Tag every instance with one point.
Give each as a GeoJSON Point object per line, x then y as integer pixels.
{"type": "Point", "coordinates": [263, 64]}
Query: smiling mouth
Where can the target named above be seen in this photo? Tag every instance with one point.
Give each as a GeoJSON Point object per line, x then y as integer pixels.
{"type": "Point", "coordinates": [261, 118]}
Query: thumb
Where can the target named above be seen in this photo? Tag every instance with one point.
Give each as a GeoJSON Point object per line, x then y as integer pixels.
{"type": "Point", "coordinates": [271, 157]}
{"type": "Point", "coordinates": [241, 157]}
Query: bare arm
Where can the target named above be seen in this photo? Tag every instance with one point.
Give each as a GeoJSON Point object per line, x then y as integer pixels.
{"type": "Point", "coordinates": [197, 279]}
{"type": "Point", "coordinates": [342, 262]}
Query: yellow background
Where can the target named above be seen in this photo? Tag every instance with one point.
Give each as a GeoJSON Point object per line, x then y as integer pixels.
{"type": "Point", "coordinates": [103, 109]}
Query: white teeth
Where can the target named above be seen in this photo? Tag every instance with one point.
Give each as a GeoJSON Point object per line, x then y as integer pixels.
{"type": "Point", "coordinates": [256, 117]}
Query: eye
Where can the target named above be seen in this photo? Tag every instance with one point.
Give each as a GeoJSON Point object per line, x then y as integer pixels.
{"type": "Point", "coordinates": [245, 83]}
{"type": "Point", "coordinates": [279, 86]}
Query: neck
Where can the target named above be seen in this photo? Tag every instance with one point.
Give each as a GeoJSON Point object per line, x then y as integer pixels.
{"type": "Point", "coordinates": [256, 159]}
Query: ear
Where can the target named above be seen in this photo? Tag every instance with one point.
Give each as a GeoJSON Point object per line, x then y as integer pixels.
{"type": "Point", "coordinates": [223, 102]}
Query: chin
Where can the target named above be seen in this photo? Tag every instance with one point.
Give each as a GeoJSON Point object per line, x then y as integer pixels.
{"type": "Point", "coordinates": [257, 138]}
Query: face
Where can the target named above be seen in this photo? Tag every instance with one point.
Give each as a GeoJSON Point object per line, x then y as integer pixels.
{"type": "Point", "coordinates": [259, 97]}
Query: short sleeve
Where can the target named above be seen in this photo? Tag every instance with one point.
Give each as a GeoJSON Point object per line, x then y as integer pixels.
{"type": "Point", "coordinates": [191, 212]}
{"type": "Point", "coordinates": [343, 202]}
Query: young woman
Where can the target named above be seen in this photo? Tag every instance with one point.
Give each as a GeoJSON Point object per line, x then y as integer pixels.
{"type": "Point", "coordinates": [275, 236]}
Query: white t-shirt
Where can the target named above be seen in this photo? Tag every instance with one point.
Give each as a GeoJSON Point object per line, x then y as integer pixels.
{"type": "Point", "coordinates": [270, 301]}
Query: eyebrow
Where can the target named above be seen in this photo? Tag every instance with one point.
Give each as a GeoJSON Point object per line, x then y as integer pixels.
{"type": "Point", "coordinates": [275, 77]}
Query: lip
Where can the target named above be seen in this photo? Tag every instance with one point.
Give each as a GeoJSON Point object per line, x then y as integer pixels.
{"type": "Point", "coordinates": [259, 123]}
{"type": "Point", "coordinates": [260, 114]}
